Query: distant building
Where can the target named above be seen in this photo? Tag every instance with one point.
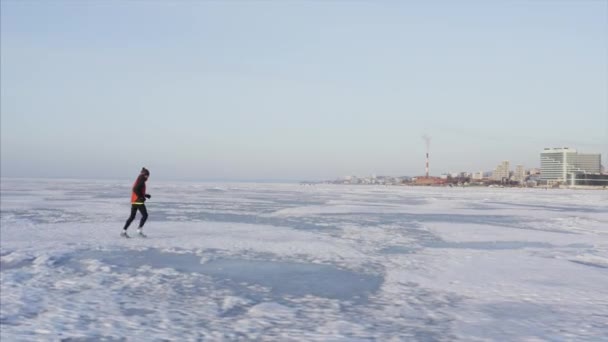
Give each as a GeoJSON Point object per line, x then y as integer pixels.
{"type": "Point", "coordinates": [428, 181]}
{"type": "Point", "coordinates": [557, 163]}
{"type": "Point", "coordinates": [478, 175]}
{"type": "Point", "coordinates": [583, 179]}
{"type": "Point", "coordinates": [520, 174]}
{"type": "Point", "coordinates": [501, 172]}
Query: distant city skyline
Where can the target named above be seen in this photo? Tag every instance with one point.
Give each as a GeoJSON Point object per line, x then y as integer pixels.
{"type": "Point", "coordinates": [297, 90]}
{"type": "Point", "coordinates": [504, 169]}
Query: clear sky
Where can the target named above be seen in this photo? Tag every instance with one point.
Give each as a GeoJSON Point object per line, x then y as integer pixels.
{"type": "Point", "coordinates": [297, 90]}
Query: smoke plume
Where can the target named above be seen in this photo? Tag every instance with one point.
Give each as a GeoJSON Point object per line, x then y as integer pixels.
{"type": "Point", "coordinates": [427, 141]}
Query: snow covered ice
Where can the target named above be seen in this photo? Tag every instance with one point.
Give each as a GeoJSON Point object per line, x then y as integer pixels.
{"type": "Point", "coordinates": [284, 262]}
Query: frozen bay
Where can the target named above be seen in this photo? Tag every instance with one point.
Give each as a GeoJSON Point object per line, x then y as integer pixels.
{"type": "Point", "coordinates": [286, 262]}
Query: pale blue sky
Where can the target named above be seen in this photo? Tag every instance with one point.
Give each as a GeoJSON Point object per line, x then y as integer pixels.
{"type": "Point", "coordinates": [297, 89]}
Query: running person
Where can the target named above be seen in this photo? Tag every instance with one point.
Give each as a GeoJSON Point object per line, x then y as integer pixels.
{"type": "Point", "coordinates": [138, 197]}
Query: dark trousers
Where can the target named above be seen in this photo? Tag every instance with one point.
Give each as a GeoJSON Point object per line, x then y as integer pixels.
{"type": "Point", "coordinates": [142, 210]}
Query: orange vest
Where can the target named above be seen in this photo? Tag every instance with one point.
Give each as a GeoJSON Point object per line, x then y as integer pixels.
{"type": "Point", "coordinates": [134, 195]}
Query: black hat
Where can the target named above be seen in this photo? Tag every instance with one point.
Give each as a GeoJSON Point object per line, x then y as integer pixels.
{"type": "Point", "coordinates": [145, 171]}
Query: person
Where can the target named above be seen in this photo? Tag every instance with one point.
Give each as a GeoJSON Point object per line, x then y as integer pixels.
{"type": "Point", "coordinates": [138, 197]}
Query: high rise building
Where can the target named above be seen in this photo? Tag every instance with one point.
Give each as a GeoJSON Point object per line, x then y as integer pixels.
{"type": "Point", "coordinates": [520, 174]}
{"type": "Point", "coordinates": [501, 172]}
{"type": "Point", "coordinates": [557, 163]}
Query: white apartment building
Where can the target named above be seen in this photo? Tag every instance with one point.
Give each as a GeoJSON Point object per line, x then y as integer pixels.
{"type": "Point", "coordinates": [501, 172]}
{"type": "Point", "coordinates": [478, 175]}
{"type": "Point", "coordinates": [520, 174]}
{"type": "Point", "coordinates": [557, 163]}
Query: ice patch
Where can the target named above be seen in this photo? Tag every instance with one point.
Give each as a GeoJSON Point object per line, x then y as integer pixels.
{"type": "Point", "coordinates": [591, 260]}
{"type": "Point", "coordinates": [488, 245]}
{"type": "Point", "coordinates": [296, 279]}
{"type": "Point", "coordinates": [281, 278]}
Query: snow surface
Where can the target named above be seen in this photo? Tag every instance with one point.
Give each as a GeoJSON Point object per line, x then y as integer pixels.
{"type": "Point", "coordinates": [276, 262]}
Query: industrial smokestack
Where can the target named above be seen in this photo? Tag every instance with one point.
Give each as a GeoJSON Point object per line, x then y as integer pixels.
{"type": "Point", "coordinates": [427, 165]}
{"type": "Point", "coordinates": [427, 141]}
